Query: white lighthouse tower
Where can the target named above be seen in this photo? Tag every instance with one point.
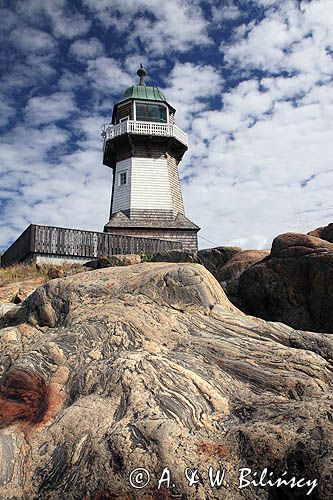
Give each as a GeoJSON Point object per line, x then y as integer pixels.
{"type": "Point", "coordinates": [143, 146]}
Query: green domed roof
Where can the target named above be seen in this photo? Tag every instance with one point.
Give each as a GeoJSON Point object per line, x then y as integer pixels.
{"type": "Point", "coordinates": [143, 92]}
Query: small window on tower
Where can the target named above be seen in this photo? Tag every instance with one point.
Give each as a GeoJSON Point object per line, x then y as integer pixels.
{"type": "Point", "coordinates": [122, 178]}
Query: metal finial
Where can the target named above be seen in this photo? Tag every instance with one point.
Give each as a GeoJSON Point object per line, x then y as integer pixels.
{"type": "Point", "coordinates": [142, 73]}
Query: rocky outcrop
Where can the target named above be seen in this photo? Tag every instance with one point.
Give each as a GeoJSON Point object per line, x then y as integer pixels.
{"type": "Point", "coordinates": [212, 258]}
{"type": "Point", "coordinates": [225, 263]}
{"type": "Point", "coordinates": [54, 273]}
{"type": "Point", "coordinates": [18, 291]}
{"type": "Point", "coordinates": [175, 256]}
{"type": "Point", "coordinates": [113, 261]}
{"type": "Point", "coordinates": [5, 307]}
{"type": "Point", "coordinates": [229, 274]}
{"type": "Point", "coordinates": [325, 233]}
{"type": "Point", "coordinates": [294, 284]}
{"type": "Point", "coordinates": [151, 366]}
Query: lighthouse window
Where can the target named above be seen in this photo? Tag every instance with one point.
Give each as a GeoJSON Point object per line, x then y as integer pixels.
{"type": "Point", "coordinates": [151, 112]}
{"type": "Point", "coordinates": [122, 178]}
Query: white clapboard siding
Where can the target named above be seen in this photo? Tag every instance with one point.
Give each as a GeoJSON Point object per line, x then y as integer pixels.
{"type": "Point", "coordinates": [150, 184]}
{"type": "Point", "coordinates": [122, 194]}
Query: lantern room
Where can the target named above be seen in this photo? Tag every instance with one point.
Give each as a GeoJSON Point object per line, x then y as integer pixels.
{"type": "Point", "coordinates": [142, 110]}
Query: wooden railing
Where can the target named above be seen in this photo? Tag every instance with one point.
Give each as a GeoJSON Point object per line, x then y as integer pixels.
{"type": "Point", "coordinates": [144, 128]}
{"type": "Point", "coordinates": [63, 242]}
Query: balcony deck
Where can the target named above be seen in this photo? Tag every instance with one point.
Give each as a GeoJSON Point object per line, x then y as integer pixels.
{"type": "Point", "coordinates": [144, 128]}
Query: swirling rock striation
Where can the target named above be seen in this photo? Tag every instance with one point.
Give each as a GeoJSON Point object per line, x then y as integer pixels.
{"type": "Point", "coordinates": [225, 263]}
{"type": "Point", "coordinates": [151, 366]}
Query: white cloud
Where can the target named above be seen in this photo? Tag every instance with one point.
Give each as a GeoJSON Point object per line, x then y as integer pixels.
{"type": "Point", "coordinates": [229, 12]}
{"type": "Point", "coordinates": [287, 39]}
{"type": "Point", "coordinates": [64, 22]}
{"type": "Point", "coordinates": [265, 166]}
{"type": "Point", "coordinates": [253, 183]}
{"type": "Point", "coordinates": [69, 26]}
{"type": "Point", "coordinates": [6, 113]}
{"type": "Point", "coordinates": [173, 32]}
{"type": "Point", "coordinates": [70, 81]}
{"type": "Point", "coordinates": [25, 146]}
{"type": "Point", "coordinates": [8, 21]}
{"type": "Point", "coordinates": [87, 49]}
{"type": "Point", "coordinates": [51, 108]}
{"type": "Point", "coordinates": [59, 193]}
{"type": "Point", "coordinates": [190, 87]}
{"type": "Point", "coordinates": [177, 25]}
{"type": "Point", "coordinates": [31, 73]}
{"type": "Point", "coordinates": [33, 40]}
{"type": "Point", "coordinates": [89, 130]}
{"type": "Point", "coordinates": [106, 74]}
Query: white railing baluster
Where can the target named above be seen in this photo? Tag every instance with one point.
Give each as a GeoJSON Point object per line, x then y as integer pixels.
{"type": "Point", "coordinates": [145, 128]}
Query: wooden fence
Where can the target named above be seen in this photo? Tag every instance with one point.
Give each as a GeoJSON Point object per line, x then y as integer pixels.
{"type": "Point", "coordinates": [63, 242]}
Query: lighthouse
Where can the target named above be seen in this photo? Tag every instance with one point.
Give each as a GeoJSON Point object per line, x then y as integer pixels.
{"type": "Point", "coordinates": [143, 147]}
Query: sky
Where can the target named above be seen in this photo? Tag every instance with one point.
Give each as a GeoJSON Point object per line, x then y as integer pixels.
{"type": "Point", "coordinates": [251, 81]}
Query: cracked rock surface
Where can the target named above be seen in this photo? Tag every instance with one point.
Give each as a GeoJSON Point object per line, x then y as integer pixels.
{"type": "Point", "coordinates": [151, 366]}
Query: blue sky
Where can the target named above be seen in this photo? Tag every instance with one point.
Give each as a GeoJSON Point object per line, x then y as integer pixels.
{"type": "Point", "coordinates": [251, 81]}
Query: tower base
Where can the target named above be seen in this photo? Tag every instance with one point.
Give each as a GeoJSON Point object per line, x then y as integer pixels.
{"type": "Point", "coordinates": [149, 224]}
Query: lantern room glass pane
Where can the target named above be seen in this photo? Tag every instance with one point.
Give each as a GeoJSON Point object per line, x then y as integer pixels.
{"type": "Point", "coordinates": [163, 114]}
{"type": "Point", "coordinates": [151, 113]}
{"type": "Point", "coordinates": [141, 112]}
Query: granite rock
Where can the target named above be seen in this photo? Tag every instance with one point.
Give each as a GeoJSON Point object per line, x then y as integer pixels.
{"type": "Point", "coordinates": [324, 233]}
{"type": "Point", "coordinates": [225, 263]}
{"type": "Point", "coordinates": [5, 307]}
{"type": "Point", "coordinates": [294, 284]}
{"type": "Point", "coordinates": [113, 261]}
{"type": "Point", "coordinates": [16, 292]}
{"type": "Point", "coordinates": [151, 366]}
{"type": "Point", "coordinates": [229, 275]}
{"type": "Point", "coordinates": [54, 273]}
{"type": "Point", "coordinates": [176, 256]}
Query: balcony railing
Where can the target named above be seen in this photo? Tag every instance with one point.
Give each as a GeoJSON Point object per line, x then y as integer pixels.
{"type": "Point", "coordinates": [144, 128]}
